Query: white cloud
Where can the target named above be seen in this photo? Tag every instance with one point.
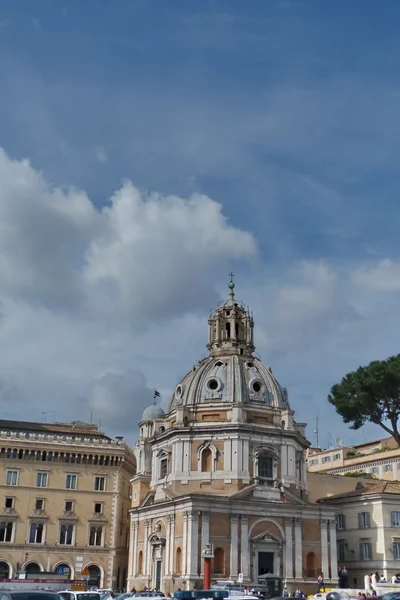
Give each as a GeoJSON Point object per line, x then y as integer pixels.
{"type": "Point", "coordinates": [383, 277]}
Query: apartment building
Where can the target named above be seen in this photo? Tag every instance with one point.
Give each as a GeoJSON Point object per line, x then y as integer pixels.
{"type": "Point", "coordinates": [368, 530]}
{"type": "Point", "coordinates": [64, 501]}
{"type": "Point", "coordinates": [379, 459]}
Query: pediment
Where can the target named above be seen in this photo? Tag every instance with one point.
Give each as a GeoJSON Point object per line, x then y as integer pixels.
{"type": "Point", "coordinates": [148, 500]}
{"type": "Point", "coordinates": [265, 536]}
{"type": "Point", "coordinates": [156, 539]}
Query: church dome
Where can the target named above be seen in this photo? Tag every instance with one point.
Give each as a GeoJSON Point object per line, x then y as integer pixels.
{"type": "Point", "coordinates": [153, 412]}
{"type": "Point", "coordinates": [231, 373]}
{"type": "Point", "coordinates": [233, 379]}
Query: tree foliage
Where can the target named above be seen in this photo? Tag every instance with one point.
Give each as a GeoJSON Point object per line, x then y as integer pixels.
{"type": "Point", "coordinates": [370, 394]}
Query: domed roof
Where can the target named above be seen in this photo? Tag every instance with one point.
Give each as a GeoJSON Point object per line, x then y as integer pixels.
{"type": "Point", "coordinates": [153, 412]}
{"type": "Point", "coordinates": [232, 378]}
{"type": "Point", "coordinates": [231, 373]}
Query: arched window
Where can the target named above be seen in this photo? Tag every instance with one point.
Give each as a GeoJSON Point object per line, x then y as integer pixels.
{"type": "Point", "coordinates": [228, 330]}
{"type": "Point", "coordinates": [237, 330]}
{"type": "Point", "coordinates": [32, 567]}
{"type": "Point", "coordinates": [140, 563]}
{"type": "Point", "coordinates": [206, 460]}
{"type": "Point", "coordinates": [311, 562]}
{"type": "Point", "coordinates": [265, 466]}
{"type": "Point", "coordinates": [219, 567]}
{"type": "Point", "coordinates": [178, 561]}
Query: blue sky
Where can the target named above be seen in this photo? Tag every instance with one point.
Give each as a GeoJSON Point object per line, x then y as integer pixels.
{"type": "Point", "coordinates": [284, 112]}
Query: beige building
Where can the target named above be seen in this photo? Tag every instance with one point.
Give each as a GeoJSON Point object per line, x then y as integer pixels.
{"type": "Point", "coordinates": [226, 466]}
{"type": "Point", "coordinates": [368, 530]}
{"type": "Point", "coordinates": [65, 499]}
{"type": "Point", "coordinates": [380, 459]}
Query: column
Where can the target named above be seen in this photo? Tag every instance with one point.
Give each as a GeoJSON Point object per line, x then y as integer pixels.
{"type": "Point", "coordinates": [172, 545]}
{"type": "Point", "coordinates": [332, 539]}
{"type": "Point", "coordinates": [193, 545]}
{"type": "Point", "coordinates": [167, 545]}
{"type": "Point", "coordinates": [298, 550]}
{"type": "Point", "coordinates": [324, 548]}
{"type": "Point", "coordinates": [244, 535]}
{"type": "Point", "coordinates": [289, 549]}
{"type": "Point", "coordinates": [133, 551]}
{"type": "Point", "coordinates": [146, 545]}
{"type": "Point", "coordinates": [184, 545]}
{"type": "Point", "coordinates": [205, 534]}
{"type": "Point", "coordinates": [234, 547]}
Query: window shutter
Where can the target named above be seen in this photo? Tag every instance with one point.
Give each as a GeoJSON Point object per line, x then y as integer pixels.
{"type": "Point", "coordinates": [360, 524]}
{"type": "Point", "coordinates": [367, 519]}
{"type": "Point", "coordinates": [361, 551]}
{"type": "Point", "coordinates": [343, 522]}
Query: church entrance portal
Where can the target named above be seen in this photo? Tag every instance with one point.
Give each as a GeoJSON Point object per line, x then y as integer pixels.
{"type": "Point", "coordinates": [158, 574]}
{"type": "Point", "coordinates": [265, 563]}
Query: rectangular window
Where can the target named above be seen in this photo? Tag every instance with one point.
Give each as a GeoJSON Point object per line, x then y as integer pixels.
{"type": "Point", "coordinates": [42, 479]}
{"type": "Point", "coordinates": [163, 468]}
{"type": "Point", "coordinates": [265, 467]}
{"type": "Point", "coordinates": [374, 470]}
{"type": "Point", "coordinates": [68, 506]}
{"type": "Point", "coordinates": [340, 522]}
{"type": "Point", "coordinates": [336, 456]}
{"type": "Point", "coordinates": [6, 531]}
{"type": "Point", "coordinates": [98, 507]}
{"type": "Point", "coordinates": [71, 482]}
{"type": "Point", "coordinates": [366, 551]}
{"type": "Point", "coordinates": [364, 520]}
{"type": "Point", "coordinates": [36, 533]}
{"type": "Point", "coordinates": [387, 468]}
{"type": "Point", "coordinates": [395, 518]}
{"type": "Point", "coordinates": [12, 478]}
{"type": "Point", "coordinates": [314, 461]}
{"type": "Point", "coordinates": [95, 536]}
{"type": "Point", "coordinates": [99, 484]}
{"type": "Point", "coordinates": [66, 535]}
{"type": "Point", "coordinates": [39, 504]}
{"type": "Point", "coordinates": [341, 550]}
{"type": "Point", "coordinates": [9, 502]}
{"type": "Point", "coordinates": [326, 459]}
{"type": "Point", "coordinates": [396, 550]}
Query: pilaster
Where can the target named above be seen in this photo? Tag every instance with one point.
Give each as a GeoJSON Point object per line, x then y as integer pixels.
{"type": "Point", "coordinates": [205, 534]}
{"type": "Point", "coordinates": [324, 548]}
{"type": "Point", "coordinates": [333, 544]}
{"type": "Point", "coordinates": [298, 550]}
{"type": "Point", "coordinates": [185, 544]}
{"type": "Point", "coordinates": [245, 553]}
{"type": "Point", "coordinates": [193, 545]}
{"type": "Point", "coordinates": [171, 544]}
{"type": "Point", "coordinates": [289, 549]}
{"type": "Point", "coordinates": [234, 547]}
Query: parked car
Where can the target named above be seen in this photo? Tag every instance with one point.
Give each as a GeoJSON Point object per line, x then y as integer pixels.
{"type": "Point", "coordinates": [76, 595]}
{"type": "Point", "coordinates": [28, 595]}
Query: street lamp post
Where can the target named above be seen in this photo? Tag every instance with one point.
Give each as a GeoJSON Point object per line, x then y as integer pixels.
{"type": "Point", "coordinates": [207, 555]}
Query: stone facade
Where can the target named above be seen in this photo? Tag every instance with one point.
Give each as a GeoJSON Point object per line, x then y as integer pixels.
{"type": "Point", "coordinates": [226, 466]}
{"type": "Point", "coordinates": [368, 530]}
{"type": "Point", "coordinates": [65, 499]}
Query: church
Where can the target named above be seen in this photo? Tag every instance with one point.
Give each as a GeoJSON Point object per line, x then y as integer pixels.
{"type": "Point", "coordinates": [224, 468]}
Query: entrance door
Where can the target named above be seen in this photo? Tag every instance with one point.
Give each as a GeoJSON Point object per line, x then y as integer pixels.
{"type": "Point", "coordinates": [158, 574]}
{"type": "Point", "coordinates": [265, 563]}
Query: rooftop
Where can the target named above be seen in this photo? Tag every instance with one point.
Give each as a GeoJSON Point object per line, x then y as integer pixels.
{"type": "Point", "coordinates": [367, 489]}
{"type": "Point", "coordinates": [73, 428]}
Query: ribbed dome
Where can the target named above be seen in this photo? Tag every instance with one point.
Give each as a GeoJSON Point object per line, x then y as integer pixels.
{"type": "Point", "coordinates": [232, 378]}
{"type": "Point", "coordinates": [153, 412]}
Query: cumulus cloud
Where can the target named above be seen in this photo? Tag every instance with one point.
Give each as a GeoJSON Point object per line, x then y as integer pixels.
{"type": "Point", "coordinates": [156, 250]}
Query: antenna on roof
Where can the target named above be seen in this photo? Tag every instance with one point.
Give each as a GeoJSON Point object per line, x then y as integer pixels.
{"type": "Point", "coordinates": [339, 442]}
{"type": "Point", "coordinates": [316, 430]}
